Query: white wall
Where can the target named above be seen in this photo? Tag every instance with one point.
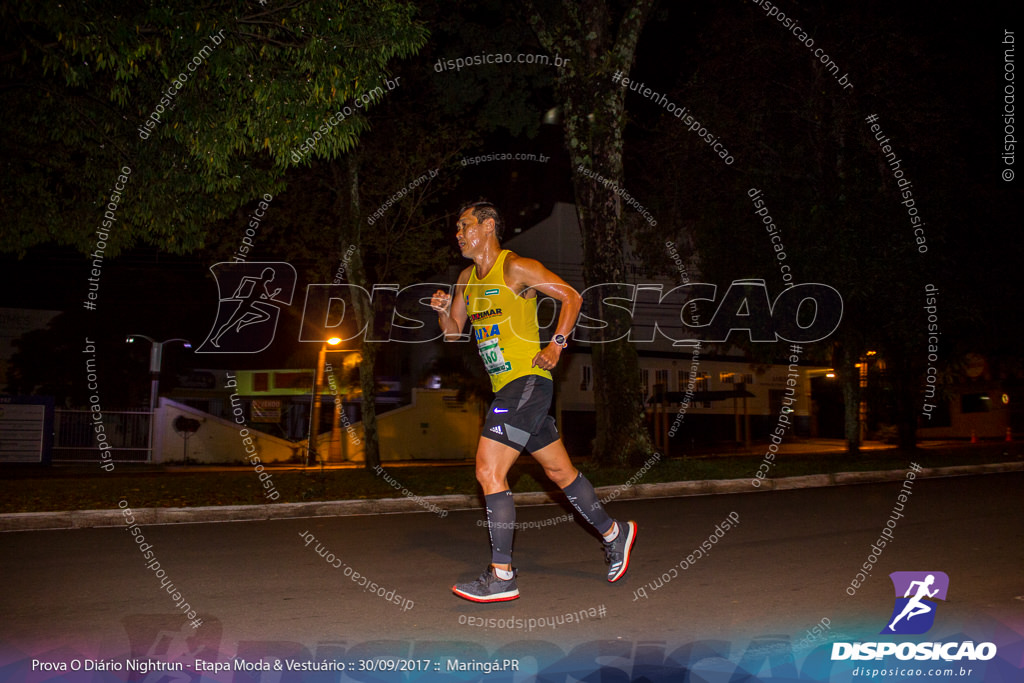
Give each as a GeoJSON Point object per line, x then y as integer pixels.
{"type": "Point", "coordinates": [428, 429]}
{"type": "Point", "coordinates": [217, 440]}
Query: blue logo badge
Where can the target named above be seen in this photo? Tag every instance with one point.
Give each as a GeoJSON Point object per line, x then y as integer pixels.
{"type": "Point", "coordinates": [916, 593]}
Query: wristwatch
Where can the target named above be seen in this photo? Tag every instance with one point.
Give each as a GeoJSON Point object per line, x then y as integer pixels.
{"type": "Point", "coordinates": [559, 339]}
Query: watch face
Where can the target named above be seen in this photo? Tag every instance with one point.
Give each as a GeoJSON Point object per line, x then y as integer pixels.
{"type": "Point", "coordinates": [559, 339]}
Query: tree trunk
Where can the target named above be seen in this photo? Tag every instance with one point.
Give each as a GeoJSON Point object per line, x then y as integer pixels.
{"type": "Point", "coordinates": [364, 317]}
{"type": "Point", "coordinates": [593, 106]}
{"type": "Point", "coordinates": [850, 374]}
{"type": "Point", "coordinates": [906, 401]}
{"type": "Point", "coordinates": [368, 383]}
{"type": "Point", "coordinates": [618, 398]}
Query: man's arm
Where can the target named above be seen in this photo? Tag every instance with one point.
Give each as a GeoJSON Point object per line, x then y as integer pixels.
{"type": "Point", "coordinates": [527, 273]}
{"type": "Point", "coordinates": [451, 312]}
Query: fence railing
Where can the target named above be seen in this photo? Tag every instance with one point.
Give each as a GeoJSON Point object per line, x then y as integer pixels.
{"type": "Point", "coordinates": [127, 433]}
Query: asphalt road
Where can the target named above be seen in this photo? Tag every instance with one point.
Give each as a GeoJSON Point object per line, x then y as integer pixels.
{"type": "Point", "coordinates": [260, 589]}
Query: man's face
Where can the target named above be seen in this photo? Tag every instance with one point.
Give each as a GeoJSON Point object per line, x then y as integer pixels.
{"type": "Point", "coordinates": [470, 233]}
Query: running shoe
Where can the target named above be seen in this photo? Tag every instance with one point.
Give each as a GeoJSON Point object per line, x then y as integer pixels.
{"type": "Point", "coordinates": [616, 553]}
{"type": "Point", "coordinates": [488, 588]}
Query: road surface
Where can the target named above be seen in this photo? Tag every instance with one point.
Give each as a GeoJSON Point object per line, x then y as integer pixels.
{"type": "Point", "coordinates": [781, 564]}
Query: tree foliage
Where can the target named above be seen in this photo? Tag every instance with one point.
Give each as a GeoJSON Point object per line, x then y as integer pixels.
{"type": "Point", "coordinates": [230, 89]}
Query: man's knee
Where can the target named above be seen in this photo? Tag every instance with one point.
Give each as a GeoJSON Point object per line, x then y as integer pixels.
{"type": "Point", "coordinates": [562, 476]}
{"type": "Point", "coordinates": [490, 477]}
{"type": "Point", "coordinates": [485, 476]}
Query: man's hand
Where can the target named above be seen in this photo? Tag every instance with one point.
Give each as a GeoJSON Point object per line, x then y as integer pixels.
{"type": "Point", "coordinates": [451, 310]}
{"type": "Point", "coordinates": [441, 301]}
{"type": "Point", "coordinates": [547, 358]}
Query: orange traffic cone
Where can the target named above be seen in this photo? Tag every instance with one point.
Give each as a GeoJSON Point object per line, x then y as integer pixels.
{"type": "Point", "coordinates": [1009, 434]}
{"type": "Point", "coordinates": [974, 437]}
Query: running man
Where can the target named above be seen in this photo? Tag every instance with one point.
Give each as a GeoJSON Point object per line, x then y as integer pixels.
{"type": "Point", "coordinates": [498, 295]}
{"type": "Point", "coordinates": [915, 606]}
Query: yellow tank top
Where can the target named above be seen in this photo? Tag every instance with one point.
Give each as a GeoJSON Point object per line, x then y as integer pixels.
{"type": "Point", "coordinates": [504, 326]}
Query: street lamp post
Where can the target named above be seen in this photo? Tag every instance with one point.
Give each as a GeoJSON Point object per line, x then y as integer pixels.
{"type": "Point", "coordinates": [156, 351]}
{"type": "Point", "coordinates": [318, 384]}
{"type": "Point", "coordinates": [862, 413]}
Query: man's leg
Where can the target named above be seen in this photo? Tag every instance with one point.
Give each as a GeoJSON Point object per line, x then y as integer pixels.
{"type": "Point", "coordinates": [493, 461]}
{"type": "Point", "coordinates": [498, 582]}
{"type": "Point", "coordinates": [618, 537]}
{"type": "Point", "coordinates": [555, 461]}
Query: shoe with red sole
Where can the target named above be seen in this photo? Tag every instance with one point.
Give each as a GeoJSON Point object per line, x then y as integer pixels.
{"type": "Point", "coordinates": [616, 552]}
{"type": "Point", "coordinates": [488, 588]}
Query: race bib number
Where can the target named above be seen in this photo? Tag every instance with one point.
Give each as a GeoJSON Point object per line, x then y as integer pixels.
{"type": "Point", "coordinates": [494, 361]}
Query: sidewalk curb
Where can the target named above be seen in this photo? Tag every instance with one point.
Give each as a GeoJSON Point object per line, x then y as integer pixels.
{"type": "Point", "coordinates": [82, 519]}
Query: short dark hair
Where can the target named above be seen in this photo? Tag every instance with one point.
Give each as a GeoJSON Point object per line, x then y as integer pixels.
{"type": "Point", "coordinates": [482, 210]}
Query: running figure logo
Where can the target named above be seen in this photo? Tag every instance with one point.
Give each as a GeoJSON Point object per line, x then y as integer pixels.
{"type": "Point", "coordinates": [247, 319]}
{"type": "Point", "coordinates": [914, 612]}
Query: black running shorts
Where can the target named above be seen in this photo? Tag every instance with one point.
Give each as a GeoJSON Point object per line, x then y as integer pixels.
{"type": "Point", "coordinates": [518, 416]}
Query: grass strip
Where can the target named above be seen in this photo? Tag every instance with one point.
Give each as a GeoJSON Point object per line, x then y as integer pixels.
{"type": "Point", "coordinates": [88, 488]}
